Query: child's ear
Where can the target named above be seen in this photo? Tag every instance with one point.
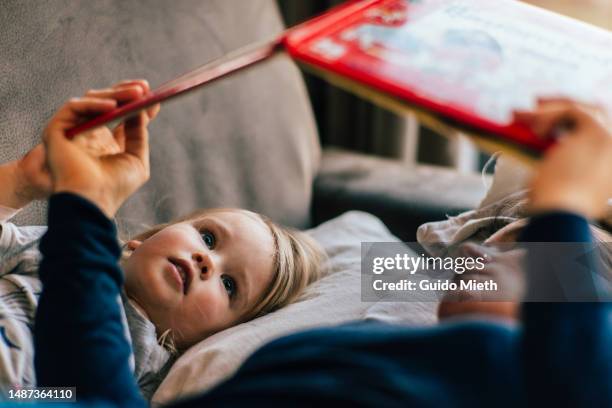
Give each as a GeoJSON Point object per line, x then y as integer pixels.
{"type": "Point", "coordinates": [133, 244]}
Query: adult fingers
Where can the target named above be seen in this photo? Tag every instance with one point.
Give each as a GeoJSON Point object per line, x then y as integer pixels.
{"type": "Point", "coordinates": [141, 83]}
{"type": "Point", "coordinates": [564, 101]}
{"type": "Point", "coordinates": [75, 111]}
{"type": "Point", "coordinates": [126, 91]}
{"type": "Point", "coordinates": [119, 135]}
{"type": "Point", "coordinates": [120, 94]}
{"type": "Point", "coordinates": [144, 85]}
{"type": "Point", "coordinates": [137, 137]}
{"type": "Point", "coordinates": [556, 118]}
{"type": "Point", "coordinates": [153, 111]}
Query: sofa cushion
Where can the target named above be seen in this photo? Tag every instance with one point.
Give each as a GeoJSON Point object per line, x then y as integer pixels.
{"type": "Point", "coordinates": [402, 195]}
{"type": "Point", "coordinates": [247, 141]}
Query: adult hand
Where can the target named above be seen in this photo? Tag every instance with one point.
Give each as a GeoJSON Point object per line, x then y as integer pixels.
{"type": "Point", "coordinates": [104, 167]}
{"type": "Point", "coordinates": [576, 173]}
{"type": "Point", "coordinates": [24, 180]}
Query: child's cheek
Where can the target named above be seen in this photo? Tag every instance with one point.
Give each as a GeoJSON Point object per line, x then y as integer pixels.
{"type": "Point", "coordinates": [209, 306]}
{"type": "Point", "coordinates": [181, 241]}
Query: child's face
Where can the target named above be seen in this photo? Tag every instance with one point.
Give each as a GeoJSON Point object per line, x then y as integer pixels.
{"type": "Point", "coordinates": [201, 276]}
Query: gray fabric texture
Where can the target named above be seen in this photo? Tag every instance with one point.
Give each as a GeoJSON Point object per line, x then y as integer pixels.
{"type": "Point", "coordinates": [246, 141]}
{"type": "Point", "coordinates": [151, 361]}
{"type": "Point", "coordinates": [19, 292]}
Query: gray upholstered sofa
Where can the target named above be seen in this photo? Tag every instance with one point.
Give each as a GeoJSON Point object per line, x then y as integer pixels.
{"type": "Point", "coordinates": [248, 141]}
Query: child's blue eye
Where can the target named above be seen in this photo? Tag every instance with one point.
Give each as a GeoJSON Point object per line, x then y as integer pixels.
{"type": "Point", "coordinates": [230, 284]}
{"type": "Point", "coordinates": [209, 239]}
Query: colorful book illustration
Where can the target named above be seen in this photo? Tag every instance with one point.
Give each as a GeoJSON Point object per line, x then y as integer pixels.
{"type": "Point", "coordinates": [460, 65]}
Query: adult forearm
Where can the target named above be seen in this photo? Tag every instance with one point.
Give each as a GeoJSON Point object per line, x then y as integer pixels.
{"type": "Point", "coordinates": [565, 341]}
{"type": "Point", "coordinates": [79, 337]}
{"type": "Point", "coordinates": [10, 194]}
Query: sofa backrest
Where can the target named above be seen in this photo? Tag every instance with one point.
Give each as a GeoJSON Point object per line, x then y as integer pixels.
{"type": "Point", "coordinates": [247, 141]}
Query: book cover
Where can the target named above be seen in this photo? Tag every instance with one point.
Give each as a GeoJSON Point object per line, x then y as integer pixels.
{"type": "Point", "coordinates": [458, 64]}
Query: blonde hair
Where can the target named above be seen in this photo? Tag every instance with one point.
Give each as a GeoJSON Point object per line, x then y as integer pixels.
{"type": "Point", "coordinates": [298, 260]}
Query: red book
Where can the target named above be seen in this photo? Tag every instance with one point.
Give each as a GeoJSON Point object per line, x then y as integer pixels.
{"type": "Point", "coordinates": [458, 64]}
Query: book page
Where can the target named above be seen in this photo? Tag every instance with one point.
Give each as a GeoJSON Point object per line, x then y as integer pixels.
{"type": "Point", "coordinates": [488, 58]}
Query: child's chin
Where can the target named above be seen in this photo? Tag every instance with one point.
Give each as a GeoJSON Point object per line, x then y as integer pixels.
{"type": "Point", "coordinates": [154, 296]}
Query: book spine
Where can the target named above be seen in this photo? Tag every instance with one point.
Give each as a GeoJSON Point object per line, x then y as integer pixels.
{"type": "Point", "coordinates": [237, 61]}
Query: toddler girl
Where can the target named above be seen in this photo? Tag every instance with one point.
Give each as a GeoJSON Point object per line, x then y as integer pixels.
{"type": "Point", "coordinates": [184, 280]}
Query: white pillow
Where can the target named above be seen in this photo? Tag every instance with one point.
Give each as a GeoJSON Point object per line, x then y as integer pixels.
{"type": "Point", "coordinates": [334, 299]}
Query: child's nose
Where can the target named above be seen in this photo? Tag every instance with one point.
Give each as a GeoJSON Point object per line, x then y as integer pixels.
{"type": "Point", "coordinates": [204, 264]}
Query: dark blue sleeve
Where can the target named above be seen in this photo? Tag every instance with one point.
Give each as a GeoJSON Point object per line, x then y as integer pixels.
{"type": "Point", "coordinates": [567, 352]}
{"type": "Point", "coordinates": [79, 335]}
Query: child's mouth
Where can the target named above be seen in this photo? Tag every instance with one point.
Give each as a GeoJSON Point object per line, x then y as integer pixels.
{"type": "Point", "coordinates": [184, 271]}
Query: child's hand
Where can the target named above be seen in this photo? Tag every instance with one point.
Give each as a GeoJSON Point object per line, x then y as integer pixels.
{"type": "Point", "coordinates": [576, 174]}
{"type": "Point", "coordinates": [104, 167]}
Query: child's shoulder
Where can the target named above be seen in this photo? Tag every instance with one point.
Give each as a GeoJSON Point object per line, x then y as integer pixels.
{"type": "Point", "coordinates": [19, 247]}
{"type": "Point", "coordinates": [12, 234]}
